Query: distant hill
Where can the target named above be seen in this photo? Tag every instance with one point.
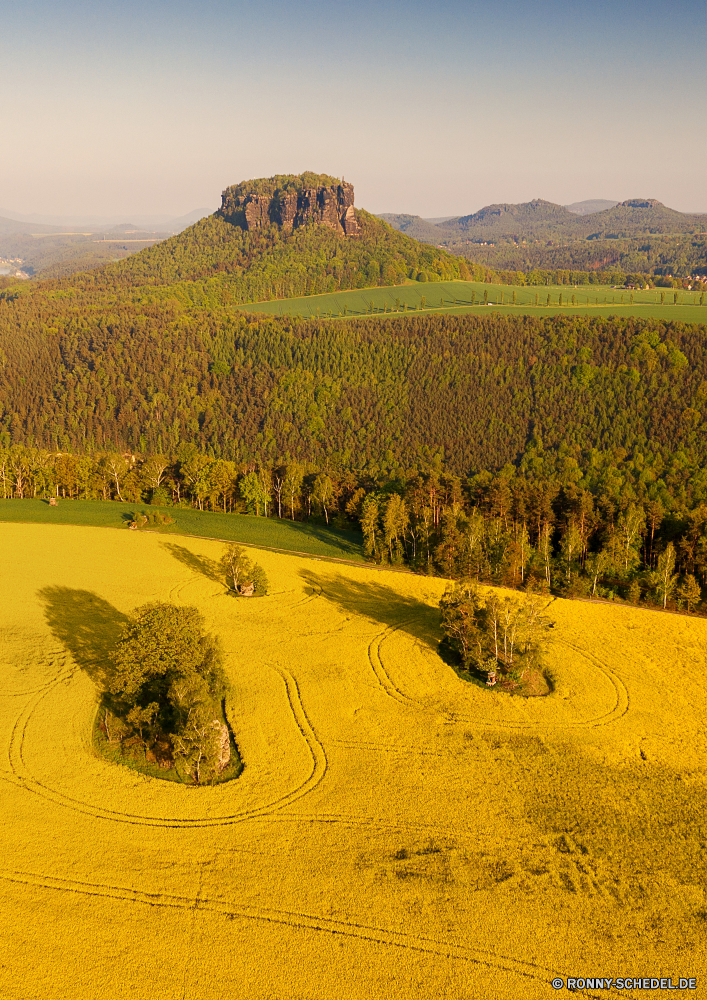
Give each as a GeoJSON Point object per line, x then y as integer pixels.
{"type": "Point", "coordinates": [8, 226]}
{"type": "Point", "coordinates": [52, 251]}
{"type": "Point", "coordinates": [38, 222]}
{"type": "Point", "coordinates": [591, 206]}
{"type": "Point", "coordinates": [543, 219]}
{"type": "Point", "coordinates": [58, 255]}
{"type": "Point", "coordinates": [425, 230]}
{"type": "Point", "coordinates": [527, 219]}
{"type": "Point", "coordinates": [638, 235]}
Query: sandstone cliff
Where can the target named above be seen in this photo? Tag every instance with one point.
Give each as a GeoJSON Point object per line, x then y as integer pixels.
{"type": "Point", "coordinates": [290, 202]}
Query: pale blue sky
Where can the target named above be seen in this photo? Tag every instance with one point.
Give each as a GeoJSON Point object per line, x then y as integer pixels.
{"type": "Point", "coordinates": [430, 108]}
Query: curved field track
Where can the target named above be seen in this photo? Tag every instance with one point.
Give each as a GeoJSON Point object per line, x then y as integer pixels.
{"type": "Point", "coordinates": [395, 832]}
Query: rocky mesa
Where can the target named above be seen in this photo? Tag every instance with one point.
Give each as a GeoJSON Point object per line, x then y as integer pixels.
{"type": "Point", "coordinates": [291, 201]}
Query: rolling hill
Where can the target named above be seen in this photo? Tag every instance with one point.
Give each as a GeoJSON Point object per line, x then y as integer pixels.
{"type": "Point", "coordinates": [590, 206]}
{"type": "Point", "coordinates": [640, 235]}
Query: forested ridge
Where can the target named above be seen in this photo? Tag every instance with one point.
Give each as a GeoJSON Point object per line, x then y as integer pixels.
{"type": "Point", "coordinates": [383, 395]}
{"type": "Point", "coordinates": [276, 263]}
{"type": "Point", "coordinates": [640, 236]}
{"type": "Point", "coordinates": [143, 382]}
{"type": "Point", "coordinates": [565, 451]}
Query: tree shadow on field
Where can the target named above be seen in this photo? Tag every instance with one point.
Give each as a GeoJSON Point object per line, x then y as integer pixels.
{"type": "Point", "coordinates": [381, 603]}
{"type": "Point", "coordinates": [197, 564]}
{"type": "Point", "coordinates": [87, 626]}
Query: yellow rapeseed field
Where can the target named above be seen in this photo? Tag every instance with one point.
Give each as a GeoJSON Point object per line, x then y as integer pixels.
{"type": "Point", "coordinates": [396, 831]}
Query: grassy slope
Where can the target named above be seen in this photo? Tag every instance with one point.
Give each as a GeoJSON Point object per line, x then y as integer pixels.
{"type": "Point", "coordinates": [441, 296]}
{"type": "Point", "coordinates": [418, 835]}
{"type": "Point", "coordinates": [266, 532]}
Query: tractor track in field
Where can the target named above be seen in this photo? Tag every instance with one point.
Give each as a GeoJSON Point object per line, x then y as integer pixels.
{"type": "Point", "coordinates": [21, 775]}
{"type": "Point", "coordinates": [65, 675]}
{"type": "Point", "coordinates": [392, 748]}
{"type": "Point", "coordinates": [298, 920]}
{"type": "Point", "coordinates": [618, 710]}
{"type": "Point", "coordinates": [623, 699]}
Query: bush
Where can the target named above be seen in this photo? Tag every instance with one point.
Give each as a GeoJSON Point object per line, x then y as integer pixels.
{"type": "Point", "coordinates": [243, 577]}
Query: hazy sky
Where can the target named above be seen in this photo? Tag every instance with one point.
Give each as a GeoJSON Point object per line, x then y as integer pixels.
{"type": "Point", "coordinates": [433, 108]}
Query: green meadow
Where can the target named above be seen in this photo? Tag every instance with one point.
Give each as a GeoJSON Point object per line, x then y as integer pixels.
{"type": "Point", "coordinates": [478, 297]}
{"type": "Point", "coordinates": [264, 532]}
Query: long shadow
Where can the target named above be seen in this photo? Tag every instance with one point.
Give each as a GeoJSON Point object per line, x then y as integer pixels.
{"type": "Point", "coordinates": [198, 564]}
{"type": "Point", "coordinates": [381, 604]}
{"type": "Point", "coordinates": [87, 626]}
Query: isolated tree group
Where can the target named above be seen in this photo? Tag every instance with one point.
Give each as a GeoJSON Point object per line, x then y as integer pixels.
{"type": "Point", "coordinates": [166, 686]}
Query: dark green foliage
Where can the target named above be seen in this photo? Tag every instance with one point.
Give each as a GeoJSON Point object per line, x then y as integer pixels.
{"type": "Point", "coordinates": [166, 687]}
{"type": "Point", "coordinates": [371, 394]}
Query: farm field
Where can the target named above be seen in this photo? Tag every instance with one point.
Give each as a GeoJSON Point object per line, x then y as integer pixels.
{"type": "Point", "coordinates": [293, 536]}
{"type": "Point", "coordinates": [396, 832]}
{"type": "Point", "coordinates": [456, 297]}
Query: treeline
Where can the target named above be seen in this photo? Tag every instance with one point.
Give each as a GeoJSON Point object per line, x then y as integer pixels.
{"type": "Point", "coordinates": [604, 533]}
{"type": "Point", "coordinates": [601, 261]}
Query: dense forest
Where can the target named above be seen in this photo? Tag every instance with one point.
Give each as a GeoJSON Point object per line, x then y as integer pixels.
{"type": "Point", "coordinates": [658, 256]}
{"type": "Point", "coordinates": [373, 394]}
{"type": "Point", "coordinates": [504, 448]}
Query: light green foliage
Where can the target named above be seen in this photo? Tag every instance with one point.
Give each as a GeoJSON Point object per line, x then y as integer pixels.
{"type": "Point", "coordinates": [664, 578]}
{"type": "Point", "coordinates": [690, 592]}
{"type": "Point", "coordinates": [242, 575]}
{"type": "Point", "coordinates": [323, 494]}
{"type": "Point", "coordinates": [503, 631]}
{"type": "Point", "coordinates": [255, 493]}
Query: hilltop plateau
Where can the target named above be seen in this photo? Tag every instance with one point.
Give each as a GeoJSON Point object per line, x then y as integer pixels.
{"type": "Point", "coordinates": [283, 236]}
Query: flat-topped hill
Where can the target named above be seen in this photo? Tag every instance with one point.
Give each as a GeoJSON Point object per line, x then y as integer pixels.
{"type": "Point", "coordinates": [281, 236]}
{"type": "Point", "coordinates": [291, 201]}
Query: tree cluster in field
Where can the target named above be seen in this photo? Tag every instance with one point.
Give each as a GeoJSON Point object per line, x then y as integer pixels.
{"type": "Point", "coordinates": [497, 638]}
{"type": "Point", "coordinates": [165, 693]}
{"type": "Point", "coordinates": [243, 576]}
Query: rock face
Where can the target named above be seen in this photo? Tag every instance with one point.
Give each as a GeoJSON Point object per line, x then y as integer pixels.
{"type": "Point", "coordinates": [224, 744]}
{"type": "Point", "coordinates": [641, 203]}
{"type": "Point", "coordinates": [291, 202]}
